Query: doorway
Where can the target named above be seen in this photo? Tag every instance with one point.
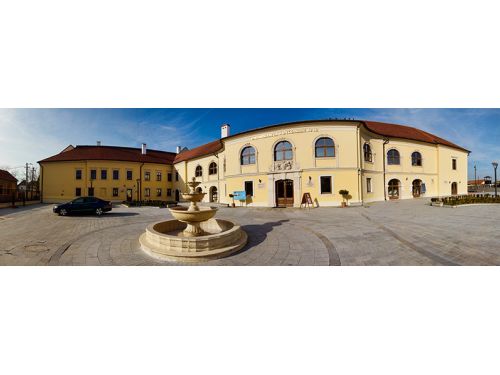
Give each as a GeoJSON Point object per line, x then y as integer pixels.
{"type": "Point", "coordinates": [417, 188]}
{"type": "Point", "coordinates": [129, 195]}
{"type": "Point", "coordinates": [177, 195]}
{"type": "Point", "coordinates": [284, 193]}
{"type": "Point", "coordinates": [213, 194]}
{"type": "Point", "coordinates": [454, 188]}
{"type": "Point", "coordinates": [393, 189]}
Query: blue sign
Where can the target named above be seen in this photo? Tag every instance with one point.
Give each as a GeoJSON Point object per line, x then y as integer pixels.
{"type": "Point", "coordinates": [423, 189]}
{"type": "Point", "coordinates": [240, 195]}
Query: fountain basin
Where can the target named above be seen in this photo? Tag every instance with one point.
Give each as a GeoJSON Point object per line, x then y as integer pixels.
{"type": "Point", "coordinates": [183, 214]}
{"type": "Point", "coordinates": [193, 197]}
{"type": "Point", "coordinates": [165, 240]}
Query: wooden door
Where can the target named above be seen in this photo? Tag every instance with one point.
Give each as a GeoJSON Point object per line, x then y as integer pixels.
{"type": "Point", "coordinates": [454, 188]}
{"type": "Point", "coordinates": [417, 188]}
{"type": "Point", "coordinates": [284, 193]}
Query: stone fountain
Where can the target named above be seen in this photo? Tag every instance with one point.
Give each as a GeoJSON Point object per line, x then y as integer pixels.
{"type": "Point", "coordinates": [194, 234]}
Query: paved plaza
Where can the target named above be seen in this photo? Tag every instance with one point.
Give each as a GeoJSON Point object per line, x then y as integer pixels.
{"type": "Point", "coordinates": [388, 233]}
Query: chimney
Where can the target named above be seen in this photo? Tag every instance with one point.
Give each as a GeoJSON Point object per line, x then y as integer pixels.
{"type": "Point", "coordinates": [224, 130]}
{"type": "Point", "coordinates": [98, 143]}
{"type": "Point", "coordinates": [143, 149]}
{"type": "Point", "coordinates": [178, 149]}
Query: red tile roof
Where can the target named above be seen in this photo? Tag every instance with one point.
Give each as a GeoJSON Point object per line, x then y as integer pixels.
{"type": "Point", "coordinates": [4, 175]}
{"type": "Point", "coordinates": [206, 149]}
{"type": "Point", "coordinates": [407, 132]}
{"type": "Point", "coordinates": [112, 153]}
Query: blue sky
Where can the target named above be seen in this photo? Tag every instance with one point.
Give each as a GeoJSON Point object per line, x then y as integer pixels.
{"type": "Point", "coordinates": [28, 135]}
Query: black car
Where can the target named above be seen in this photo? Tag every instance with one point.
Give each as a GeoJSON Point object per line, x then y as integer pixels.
{"type": "Point", "coordinates": [83, 205]}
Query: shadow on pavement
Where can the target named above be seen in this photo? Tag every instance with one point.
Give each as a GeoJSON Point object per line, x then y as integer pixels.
{"type": "Point", "coordinates": [257, 233]}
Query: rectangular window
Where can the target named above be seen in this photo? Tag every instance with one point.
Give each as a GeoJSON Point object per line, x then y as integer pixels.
{"type": "Point", "coordinates": [147, 176]}
{"type": "Point", "coordinates": [326, 184]}
{"type": "Point", "coordinates": [169, 177]}
{"type": "Point", "coordinates": [129, 175]}
{"type": "Point", "coordinates": [249, 188]}
{"type": "Point", "coordinates": [115, 192]}
{"type": "Point", "coordinates": [158, 192]}
{"type": "Point", "coordinates": [176, 176]}
{"type": "Point", "coordinates": [147, 192]}
{"type": "Point", "coordinates": [78, 175]}
{"type": "Point", "coordinates": [93, 174]}
{"type": "Point", "coordinates": [158, 176]}
{"type": "Point", "coordinates": [169, 192]}
{"type": "Point", "coordinates": [116, 174]}
{"type": "Point", "coordinates": [454, 164]}
{"type": "Point", "coordinates": [78, 192]}
{"type": "Point", "coordinates": [104, 174]}
{"type": "Point", "coordinates": [91, 192]}
{"type": "Point", "coordinates": [369, 185]}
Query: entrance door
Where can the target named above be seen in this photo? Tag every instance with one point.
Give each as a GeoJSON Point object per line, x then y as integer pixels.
{"type": "Point", "coordinates": [284, 193]}
{"type": "Point", "coordinates": [177, 197]}
{"type": "Point", "coordinates": [454, 188]}
{"type": "Point", "coordinates": [417, 188]}
{"type": "Point", "coordinates": [129, 195]}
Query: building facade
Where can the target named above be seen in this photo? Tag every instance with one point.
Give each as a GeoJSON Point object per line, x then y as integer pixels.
{"type": "Point", "coordinates": [8, 187]}
{"type": "Point", "coordinates": [276, 165]}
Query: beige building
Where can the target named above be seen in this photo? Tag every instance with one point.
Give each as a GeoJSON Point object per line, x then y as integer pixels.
{"type": "Point", "coordinates": [276, 165]}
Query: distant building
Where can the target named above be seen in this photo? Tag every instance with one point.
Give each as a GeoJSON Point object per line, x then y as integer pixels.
{"type": "Point", "coordinates": [8, 186]}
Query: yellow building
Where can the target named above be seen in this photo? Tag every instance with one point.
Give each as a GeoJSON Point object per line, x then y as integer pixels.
{"type": "Point", "coordinates": [276, 165]}
{"type": "Point", "coordinates": [110, 173]}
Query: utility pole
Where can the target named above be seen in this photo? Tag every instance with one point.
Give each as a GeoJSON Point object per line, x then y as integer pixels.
{"type": "Point", "coordinates": [25, 186]}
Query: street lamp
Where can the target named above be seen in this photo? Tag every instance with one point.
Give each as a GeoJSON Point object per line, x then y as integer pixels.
{"type": "Point", "coordinates": [495, 166]}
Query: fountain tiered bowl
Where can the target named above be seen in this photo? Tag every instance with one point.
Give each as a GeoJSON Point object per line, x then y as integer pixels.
{"type": "Point", "coordinates": [194, 234]}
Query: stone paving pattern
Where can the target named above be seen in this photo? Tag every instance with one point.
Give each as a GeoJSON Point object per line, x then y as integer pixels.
{"type": "Point", "coordinates": [387, 233]}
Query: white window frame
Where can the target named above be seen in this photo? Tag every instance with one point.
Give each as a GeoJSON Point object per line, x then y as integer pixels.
{"type": "Point", "coordinates": [369, 185]}
{"type": "Point", "coordinates": [331, 182]}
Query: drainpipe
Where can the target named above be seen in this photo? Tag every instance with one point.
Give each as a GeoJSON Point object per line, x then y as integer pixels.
{"type": "Point", "coordinates": [360, 191]}
{"type": "Point", "coordinates": [41, 183]}
{"type": "Point", "coordinates": [139, 188]}
{"type": "Point", "coordinates": [386, 141]}
{"type": "Point", "coordinates": [218, 179]}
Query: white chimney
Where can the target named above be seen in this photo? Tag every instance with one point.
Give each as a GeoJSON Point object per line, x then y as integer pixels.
{"type": "Point", "coordinates": [224, 130]}
{"type": "Point", "coordinates": [178, 149]}
{"type": "Point", "coordinates": [143, 149]}
{"type": "Point", "coordinates": [98, 143]}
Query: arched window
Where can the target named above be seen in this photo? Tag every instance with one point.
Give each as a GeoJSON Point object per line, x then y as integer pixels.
{"type": "Point", "coordinates": [416, 159]}
{"type": "Point", "coordinates": [283, 151]}
{"type": "Point", "coordinates": [325, 148]}
{"type": "Point", "coordinates": [248, 155]}
{"type": "Point", "coordinates": [393, 189]}
{"type": "Point", "coordinates": [393, 157]}
{"type": "Point", "coordinates": [199, 171]}
{"type": "Point", "coordinates": [212, 168]}
{"type": "Point", "coordinates": [367, 151]}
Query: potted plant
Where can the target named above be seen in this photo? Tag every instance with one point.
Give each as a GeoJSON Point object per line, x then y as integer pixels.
{"type": "Point", "coordinates": [232, 197]}
{"type": "Point", "coordinates": [345, 197]}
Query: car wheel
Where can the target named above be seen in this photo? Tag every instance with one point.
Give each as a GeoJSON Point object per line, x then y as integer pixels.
{"type": "Point", "coordinates": [63, 212]}
{"type": "Point", "coordinates": [98, 211]}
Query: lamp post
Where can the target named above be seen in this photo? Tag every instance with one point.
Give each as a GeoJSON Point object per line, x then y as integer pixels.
{"type": "Point", "coordinates": [475, 176]}
{"type": "Point", "coordinates": [495, 166]}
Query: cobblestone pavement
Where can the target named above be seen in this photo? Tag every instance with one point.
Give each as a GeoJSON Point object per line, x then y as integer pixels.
{"type": "Point", "coordinates": [387, 233]}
